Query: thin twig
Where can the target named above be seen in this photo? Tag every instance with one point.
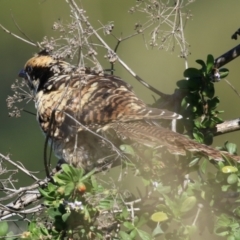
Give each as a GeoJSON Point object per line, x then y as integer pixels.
{"type": "Point", "coordinates": [74, 5]}
{"type": "Point", "coordinates": [18, 37]}
{"type": "Point", "coordinates": [20, 30]}
{"type": "Point", "coordinates": [6, 158]}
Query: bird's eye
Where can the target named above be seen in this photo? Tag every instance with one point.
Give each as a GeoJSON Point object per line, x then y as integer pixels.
{"type": "Point", "coordinates": [28, 69]}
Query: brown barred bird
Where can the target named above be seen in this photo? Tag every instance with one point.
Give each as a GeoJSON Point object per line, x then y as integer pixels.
{"type": "Point", "coordinates": [85, 114]}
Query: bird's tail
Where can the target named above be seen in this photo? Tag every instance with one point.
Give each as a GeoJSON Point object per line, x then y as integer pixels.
{"type": "Point", "coordinates": [155, 136]}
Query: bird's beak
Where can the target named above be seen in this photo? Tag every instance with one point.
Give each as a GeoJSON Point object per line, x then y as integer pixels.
{"type": "Point", "coordinates": [23, 74]}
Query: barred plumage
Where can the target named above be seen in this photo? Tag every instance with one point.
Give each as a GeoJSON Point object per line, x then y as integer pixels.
{"type": "Point", "coordinates": [74, 106]}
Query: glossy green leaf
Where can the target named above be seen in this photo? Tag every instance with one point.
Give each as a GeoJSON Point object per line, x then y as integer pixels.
{"type": "Point", "coordinates": [192, 73]}
{"type": "Point", "coordinates": [223, 72]}
{"type": "Point", "coordinates": [202, 63]}
{"type": "Point", "coordinates": [197, 123]}
{"type": "Point", "coordinates": [210, 63]}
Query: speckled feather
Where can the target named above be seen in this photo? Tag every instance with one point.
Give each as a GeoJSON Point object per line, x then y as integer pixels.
{"type": "Point", "coordinates": [69, 101]}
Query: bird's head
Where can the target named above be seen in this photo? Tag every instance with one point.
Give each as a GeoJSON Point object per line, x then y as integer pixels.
{"type": "Point", "coordinates": [40, 68]}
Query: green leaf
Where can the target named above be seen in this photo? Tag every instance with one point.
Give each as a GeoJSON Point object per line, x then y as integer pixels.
{"type": "Point", "coordinates": [53, 212]}
{"type": "Point", "coordinates": [188, 204]}
{"type": "Point", "coordinates": [67, 169]}
{"type": "Point", "coordinates": [94, 182]}
{"type": "Point", "coordinates": [125, 213]}
{"type": "Point", "coordinates": [182, 84]}
{"type": "Point", "coordinates": [127, 149]}
{"type": "Point", "coordinates": [225, 188]}
{"type": "Point", "coordinates": [209, 90]}
{"type": "Point", "coordinates": [44, 230]}
{"type": "Point", "coordinates": [69, 189]}
{"type": "Point", "coordinates": [124, 236]}
{"type": "Point", "coordinates": [184, 103]}
{"type": "Point", "coordinates": [51, 187]}
{"type": "Point", "coordinates": [232, 178]}
{"type": "Point", "coordinates": [157, 230]}
{"type": "Point", "coordinates": [128, 225]}
{"type": "Point", "coordinates": [231, 147]}
{"type": "Point", "coordinates": [144, 235]}
{"type": "Point", "coordinates": [197, 123]}
{"type": "Point", "coordinates": [88, 175]}
{"type": "Point", "coordinates": [3, 228]}
{"type": "Point", "coordinates": [46, 195]}
{"type": "Point", "coordinates": [133, 234]}
{"type": "Point", "coordinates": [223, 72]}
{"type": "Point", "coordinates": [194, 84]}
{"type": "Point", "coordinates": [192, 73]}
{"type": "Point", "coordinates": [61, 178]}
{"type": "Point", "coordinates": [223, 221]}
{"type": "Point", "coordinates": [229, 169]}
{"type": "Point", "coordinates": [193, 162]}
{"type": "Point", "coordinates": [213, 103]}
{"type": "Point", "coordinates": [198, 135]}
{"type": "Point", "coordinates": [210, 63]}
{"type": "Point", "coordinates": [202, 63]}
{"type": "Point", "coordinates": [204, 166]}
{"type": "Point", "coordinates": [143, 219]}
{"type": "Point", "coordinates": [159, 217]}
{"type": "Point", "coordinates": [65, 216]}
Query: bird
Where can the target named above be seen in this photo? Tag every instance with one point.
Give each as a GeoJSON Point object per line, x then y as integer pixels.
{"type": "Point", "coordinates": [87, 115]}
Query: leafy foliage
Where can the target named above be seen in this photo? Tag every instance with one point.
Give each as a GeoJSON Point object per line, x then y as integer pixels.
{"type": "Point", "coordinates": [199, 104]}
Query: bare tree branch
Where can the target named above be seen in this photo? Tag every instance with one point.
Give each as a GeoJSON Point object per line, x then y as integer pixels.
{"type": "Point", "coordinates": [227, 127]}
{"type": "Point", "coordinates": [227, 57]}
